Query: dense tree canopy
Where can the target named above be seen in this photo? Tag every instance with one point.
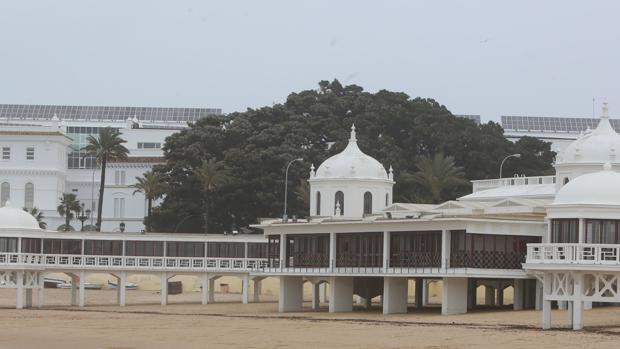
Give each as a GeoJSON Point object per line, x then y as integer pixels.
{"type": "Point", "coordinates": [255, 146]}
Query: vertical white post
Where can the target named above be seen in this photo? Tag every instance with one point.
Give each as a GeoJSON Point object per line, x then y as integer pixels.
{"type": "Point", "coordinates": [445, 249]}
{"type": "Point", "coordinates": [425, 293]}
{"type": "Point", "coordinates": [395, 291]}
{"type": "Point", "coordinates": [489, 295]}
{"type": "Point", "coordinates": [454, 296]}
{"type": "Point", "coordinates": [517, 303]}
{"type": "Point", "coordinates": [74, 289]}
{"type": "Point", "coordinates": [19, 299]}
{"type": "Point", "coordinates": [211, 290]}
{"type": "Point", "coordinates": [204, 282]}
{"type": "Point", "coordinates": [386, 250]}
{"type": "Point", "coordinates": [569, 313]}
{"type": "Point", "coordinates": [245, 289]}
{"type": "Point", "coordinates": [341, 294]}
{"type": "Point", "coordinates": [164, 288]}
{"type": "Point", "coordinates": [257, 289]}
{"type": "Point", "coordinates": [323, 292]}
{"type": "Point", "coordinates": [577, 303]}
{"type": "Point", "coordinates": [82, 289]}
{"type": "Point", "coordinates": [282, 251]}
{"type": "Point", "coordinates": [539, 295]}
{"type": "Point", "coordinates": [122, 288]}
{"type": "Point", "coordinates": [332, 251]}
{"type": "Point", "coordinates": [546, 303]}
{"type": "Point", "coordinates": [291, 294]}
{"type": "Point", "coordinates": [315, 295]}
{"type": "Point", "coordinates": [41, 291]}
{"type": "Point", "coordinates": [582, 231]}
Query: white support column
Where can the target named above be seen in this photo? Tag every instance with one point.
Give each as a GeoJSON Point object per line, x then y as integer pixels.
{"type": "Point", "coordinates": [577, 302]}
{"type": "Point", "coordinates": [539, 295]}
{"type": "Point", "coordinates": [82, 289]}
{"type": "Point", "coordinates": [386, 250]}
{"type": "Point", "coordinates": [425, 293]}
{"type": "Point", "coordinates": [74, 289]}
{"type": "Point", "coordinates": [122, 288]}
{"type": "Point", "coordinates": [28, 303]}
{"type": "Point", "coordinates": [489, 295]}
{"type": "Point", "coordinates": [569, 314]}
{"type": "Point", "coordinates": [316, 290]}
{"type": "Point", "coordinates": [445, 249]}
{"type": "Point", "coordinates": [245, 289]}
{"type": "Point", "coordinates": [204, 282]}
{"type": "Point", "coordinates": [582, 230]}
{"type": "Point", "coordinates": [291, 294]}
{"type": "Point", "coordinates": [454, 296]}
{"type": "Point", "coordinates": [332, 251]}
{"type": "Point", "coordinates": [41, 291]}
{"type": "Point", "coordinates": [341, 294]}
{"type": "Point", "coordinates": [395, 292]}
{"type": "Point", "coordinates": [282, 251]}
{"type": "Point", "coordinates": [518, 288]}
{"type": "Point", "coordinates": [164, 288]}
{"type": "Point", "coordinates": [211, 289]}
{"type": "Point", "coordinates": [546, 304]}
{"type": "Point", "coordinates": [257, 289]}
{"type": "Point", "coordinates": [19, 299]}
{"type": "Point", "coordinates": [323, 292]}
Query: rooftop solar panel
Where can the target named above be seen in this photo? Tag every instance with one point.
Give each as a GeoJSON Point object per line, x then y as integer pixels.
{"type": "Point", "coordinates": [552, 124]}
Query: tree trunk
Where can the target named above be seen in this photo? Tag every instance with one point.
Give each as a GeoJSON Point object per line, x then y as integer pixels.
{"type": "Point", "coordinates": [67, 217]}
{"type": "Point", "coordinates": [101, 188]}
{"type": "Point", "coordinates": [148, 216]}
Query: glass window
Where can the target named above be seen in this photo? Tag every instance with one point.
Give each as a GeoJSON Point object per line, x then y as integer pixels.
{"type": "Point", "coordinates": [367, 203]}
{"type": "Point", "coordinates": [5, 193]}
{"type": "Point", "coordinates": [29, 196]}
{"type": "Point", "coordinates": [318, 203]}
{"type": "Point", "coordinates": [6, 153]}
{"type": "Point", "coordinates": [29, 153]}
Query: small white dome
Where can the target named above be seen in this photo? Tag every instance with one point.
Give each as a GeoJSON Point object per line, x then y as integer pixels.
{"type": "Point", "coordinates": [597, 146]}
{"type": "Point", "coordinates": [14, 218]}
{"type": "Point", "coordinates": [351, 163]}
{"type": "Point", "coordinates": [597, 188]}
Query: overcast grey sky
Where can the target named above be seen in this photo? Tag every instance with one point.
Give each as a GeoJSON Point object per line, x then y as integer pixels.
{"type": "Point", "coordinates": [477, 57]}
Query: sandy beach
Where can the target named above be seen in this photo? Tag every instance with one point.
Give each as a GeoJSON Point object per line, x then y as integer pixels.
{"type": "Point", "coordinates": [228, 324]}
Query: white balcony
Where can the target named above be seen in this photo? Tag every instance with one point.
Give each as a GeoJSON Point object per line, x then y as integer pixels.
{"type": "Point", "coordinates": [574, 254]}
{"type": "Point", "coordinates": [484, 184]}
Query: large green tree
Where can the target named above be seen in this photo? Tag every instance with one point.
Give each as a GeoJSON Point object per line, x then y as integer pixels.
{"type": "Point", "coordinates": [108, 146]}
{"type": "Point", "coordinates": [68, 208]}
{"type": "Point", "coordinates": [211, 175]}
{"type": "Point", "coordinates": [256, 145]}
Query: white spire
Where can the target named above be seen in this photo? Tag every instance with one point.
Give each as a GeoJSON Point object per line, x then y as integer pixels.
{"type": "Point", "coordinates": [312, 172]}
{"type": "Point", "coordinates": [353, 137]}
{"type": "Point", "coordinates": [605, 111]}
{"type": "Point", "coordinates": [338, 211]}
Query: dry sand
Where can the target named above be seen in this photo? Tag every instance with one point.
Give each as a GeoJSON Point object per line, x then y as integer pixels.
{"type": "Point", "coordinates": [228, 324]}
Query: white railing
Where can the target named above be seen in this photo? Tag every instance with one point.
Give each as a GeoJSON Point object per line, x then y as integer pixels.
{"type": "Point", "coordinates": [58, 261]}
{"type": "Point", "coordinates": [602, 254]}
{"type": "Point", "coordinates": [485, 184]}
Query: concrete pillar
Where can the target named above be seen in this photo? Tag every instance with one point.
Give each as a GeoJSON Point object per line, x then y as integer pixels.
{"type": "Point", "coordinates": [581, 234]}
{"type": "Point", "coordinates": [211, 290]}
{"type": "Point", "coordinates": [282, 251]}
{"type": "Point", "coordinates": [82, 281]}
{"type": "Point", "coordinates": [471, 294]}
{"type": "Point", "coordinates": [395, 293]}
{"type": "Point", "coordinates": [425, 293]}
{"type": "Point", "coordinates": [164, 288]}
{"type": "Point", "coordinates": [245, 289]}
{"type": "Point", "coordinates": [74, 289]}
{"type": "Point", "coordinates": [539, 295]}
{"type": "Point", "coordinates": [122, 288]}
{"type": "Point", "coordinates": [518, 288]}
{"type": "Point", "coordinates": [500, 296]}
{"type": "Point", "coordinates": [546, 304]}
{"type": "Point", "coordinates": [323, 292]}
{"type": "Point", "coordinates": [204, 289]}
{"type": "Point", "coordinates": [291, 294]}
{"type": "Point", "coordinates": [386, 250]}
{"type": "Point", "coordinates": [257, 290]}
{"type": "Point", "coordinates": [332, 251]}
{"type": "Point", "coordinates": [316, 290]}
{"type": "Point", "coordinates": [419, 292]}
{"type": "Point", "coordinates": [569, 314]}
{"type": "Point", "coordinates": [41, 291]}
{"type": "Point", "coordinates": [28, 303]}
{"type": "Point", "coordinates": [454, 297]}
{"type": "Point", "coordinates": [341, 294]}
{"type": "Point", "coordinates": [489, 295]}
{"type": "Point", "coordinates": [577, 303]}
{"type": "Point", "coordinates": [445, 249]}
{"type": "Point", "coordinates": [19, 299]}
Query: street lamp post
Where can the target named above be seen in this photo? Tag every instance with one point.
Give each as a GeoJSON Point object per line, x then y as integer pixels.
{"type": "Point", "coordinates": [84, 214]}
{"type": "Point", "coordinates": [284, 216]}
{"type": "Point", "coordinates": [501, 166]}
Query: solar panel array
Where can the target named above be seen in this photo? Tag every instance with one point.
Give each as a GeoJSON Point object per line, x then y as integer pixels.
{"type": "Point", "coordinates": [552, 124]}
{"type": "Point", "coordinates": [100, 113]}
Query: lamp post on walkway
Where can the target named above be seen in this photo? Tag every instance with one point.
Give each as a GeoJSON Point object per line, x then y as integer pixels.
{"type": "Point", "coordinates": [506, 158]}
{"type": "Point", "coordinates": [284, 216]}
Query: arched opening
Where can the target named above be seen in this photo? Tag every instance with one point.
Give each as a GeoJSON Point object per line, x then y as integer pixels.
{"type": "Point", "coordinates": [367, 203]}
{"type": "Point", "coordinates": [339, 203]}
{"type": "Point", "coordinates": [29, 196]}
{"type": "Point", "coordinates": [318, 203]}
{"type": "Point", "coordinates": [5, 193]}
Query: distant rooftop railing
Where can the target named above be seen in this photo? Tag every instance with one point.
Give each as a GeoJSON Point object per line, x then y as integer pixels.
{"type": "Point", "coordinates": [485, 184]}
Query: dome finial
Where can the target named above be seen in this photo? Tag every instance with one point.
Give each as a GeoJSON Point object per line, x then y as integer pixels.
{"type": "Point", "coordinates": [353, 137]}
{"type": "Point", "coordinates": [605, 110]}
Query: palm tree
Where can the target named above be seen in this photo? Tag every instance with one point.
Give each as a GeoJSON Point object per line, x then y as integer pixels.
{"type": "Point", "coordinates": [151, 184]}
{"type": "Point", "coordinates": [437, 174]}
{"type": "Point", "coordinates": [211, 175]}
{"type": "Point", "coordinates": [38, 215]}
{"type": "Point", "coordinates": [108, 146]}
{"type": "Point", "coordinates": [69, 205]}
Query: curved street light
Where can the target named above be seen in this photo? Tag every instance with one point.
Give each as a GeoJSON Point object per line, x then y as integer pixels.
{"type": "Point", "coordinates": [501, 166]}
{"type": "Point", "coordinates": [284, 216]}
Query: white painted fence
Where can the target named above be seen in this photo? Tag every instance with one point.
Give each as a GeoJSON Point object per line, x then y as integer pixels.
{"type": "Point", "coordinates": [590, 254]}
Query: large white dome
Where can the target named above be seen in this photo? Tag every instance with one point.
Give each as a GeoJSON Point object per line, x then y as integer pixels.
{"type": "Point", "coordinates": [598, 146]}
{"type": "Point", "coordinates": [351, 163]}
{"type": "Point", "coordinates": [14, 218]}
{"type": "Point", "coordinates": [597, 188]}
